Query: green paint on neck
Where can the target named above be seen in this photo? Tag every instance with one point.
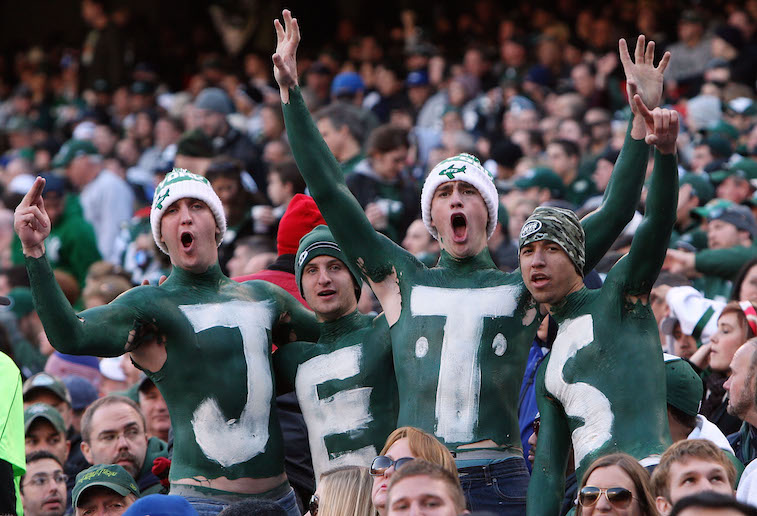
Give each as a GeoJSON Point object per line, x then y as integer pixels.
{"type": "Point", "coordinates": [482, 260]}
{"type": "Point", "coordinates": [334, 330]}
{"type": "Point", "coordinates": [182, 278]}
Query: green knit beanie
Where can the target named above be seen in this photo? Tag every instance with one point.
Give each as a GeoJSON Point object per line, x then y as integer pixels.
{"type": "Point", "coordinates": [320, 242]}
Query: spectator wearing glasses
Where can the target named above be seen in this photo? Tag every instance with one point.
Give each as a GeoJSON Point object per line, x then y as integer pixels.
{"type": "Point", "coordinates": [403, 445]}
{"type": "Point", "coordinates": [688, 467]}
{"type": "Point", "coordinates": [43, 487]}
{"type": "Point", "coordinates": [343, 490]}
{"type": "Point", "coordinates": [616, 482]}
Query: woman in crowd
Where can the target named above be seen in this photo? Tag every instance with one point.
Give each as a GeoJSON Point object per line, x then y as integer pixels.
{"type": "Point", "coordinates": [737, 323]}
{"type": "Point", "coordinates": [404, 444]}
{"type": "Point", "coordinates": [745, 285]}
{"type": "Point", "coordinates": [616, 484]}
{"type": "Point", "coordinates": [343, 491]}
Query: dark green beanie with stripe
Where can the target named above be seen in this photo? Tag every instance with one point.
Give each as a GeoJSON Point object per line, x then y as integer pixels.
{"type": "Point", "coordinates": [321, 242]}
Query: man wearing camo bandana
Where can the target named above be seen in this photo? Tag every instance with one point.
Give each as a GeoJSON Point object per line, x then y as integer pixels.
{"type": "Point", "coordinates": [461, 331]}
{"type": "Point", "coordinates": [203, 339]}
{"type": "Point", "coordinates": [604, 336]}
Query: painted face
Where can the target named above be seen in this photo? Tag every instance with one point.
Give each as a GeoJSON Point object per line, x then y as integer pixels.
{"type": "Point", "coordinates": [401, 448]}
{"type": "Point", "coordinates": [42, 436]}
{"type": "Point", "coordinates": [740, 384]}
{"type": "Point", "coordinates": [189, 230]}
{"type": "Point", "coordinates": [607, 477]}
{"type": "Point", "coordinates": [117, 436]}
{"type": "Point", "coordinates": [724, 343]}
{"type": "Point", "coordinates": [697, 475]}
{"type": "Point", "coordinates": [328, 287]}
{"type": "Point", "coordinates": [44, 489]}
{"type": "Point", "coordinates": [749, 286]}
{"type": "Point", "coordinates": [421, 496]}
{"type": "Point", "coordinates": [548, 272]}
{"type": "Point", "coordinates": [722, 235]}
{"type": "Point", "coordinates": [155, 410]}
{"type": "Point", "coordinates": [101, 501]}
{"type": "Point", "coordinates": [459, 214]}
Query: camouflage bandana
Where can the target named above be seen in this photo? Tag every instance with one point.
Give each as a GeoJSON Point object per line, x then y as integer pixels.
{"type": "Point", "coordinates": [560, 226]}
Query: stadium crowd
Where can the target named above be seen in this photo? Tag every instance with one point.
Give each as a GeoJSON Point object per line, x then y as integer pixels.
{"type": "Point", "coordinates": [537, 93]}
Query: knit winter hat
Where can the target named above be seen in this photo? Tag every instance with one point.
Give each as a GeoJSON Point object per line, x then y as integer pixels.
{"type": "Point", "coordinates": [560, 226]}
{"type": "Point", "coordinates": [179, 184]}
{"type": "Point", "coordinates": [321, 242]}
{"type": "Point", "coordinates": [301, 217]}
{"type": "Point", "coordinates": [462, 167]}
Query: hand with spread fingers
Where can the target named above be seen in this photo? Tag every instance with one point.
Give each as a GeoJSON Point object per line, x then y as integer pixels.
{"type": "Point", "coordinates": [642, 77]}
{"type": "Point", "coordinates": [31, 222]}
{"type": "Point", "coordinates": [662, 126]}
{"type": "Point", "coordinates": [285, 58]}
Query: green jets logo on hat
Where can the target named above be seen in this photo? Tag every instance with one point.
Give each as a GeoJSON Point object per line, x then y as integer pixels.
{"type": "Point", "coordinates": [303, 256]}
{"type": "Point", "coordinates": [159, 203]}
{"type": "Point", "coordinates": [451, 170]}
{"type": "Point", "coordinates": [530, 228]}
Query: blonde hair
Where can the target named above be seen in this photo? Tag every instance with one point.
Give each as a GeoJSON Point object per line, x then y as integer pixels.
{"type": "Point", "coordinates": [345, 491]}
{"type": "Point", "coordinates": [424, 446]}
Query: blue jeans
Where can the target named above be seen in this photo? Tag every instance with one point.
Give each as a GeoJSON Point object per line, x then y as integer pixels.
{"type": "Point", "coordinates": [211, 507]}
{"type": "Point", "coordinates": [499, 487]}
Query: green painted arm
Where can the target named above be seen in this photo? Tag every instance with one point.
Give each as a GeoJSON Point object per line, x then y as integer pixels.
{"type": "Point", "coordinates": [102, 331]}
{"type": "Point", "coordinates": [644, 261]}
{"type": "Point", "coordinates": [605, 224]}
{"type": "Point", "coordinates": [546, 489]}
{"type": "Point", "coordinates": [325, 180]}
{"type": "Point", "coordinates": [724, 263]}
{"type": "Point", "coordinates": [298, 322]}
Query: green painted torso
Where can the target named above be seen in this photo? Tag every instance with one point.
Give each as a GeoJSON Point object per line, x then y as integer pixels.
{"type": "Point", "coordinates": [346, 388]}
{"type": "Point", "coordinates": [607, 414]}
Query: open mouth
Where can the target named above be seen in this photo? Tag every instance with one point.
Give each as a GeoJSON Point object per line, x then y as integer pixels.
{"type": "Point", "coordinates": [327, 293]}
{"type": "Point", "coordinates": [186, 240]}
{"type": "Point", "coordinates": [539, 280]}
{"type": "Point", "coordinates": [459, 226]}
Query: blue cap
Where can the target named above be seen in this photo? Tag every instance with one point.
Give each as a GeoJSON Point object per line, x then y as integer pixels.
{"type": "Point", "coordinates": [81, 390]}
{"type": "Point", "coordinates": [417, 78]}
{"type": "Point", "coordinates": [161, 505]}
{"type": "Point", "coordinates": [347, 83]}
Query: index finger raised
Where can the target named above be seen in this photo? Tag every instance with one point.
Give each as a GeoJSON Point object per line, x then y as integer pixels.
{"type": "Point", "coordinates": [34, 192]}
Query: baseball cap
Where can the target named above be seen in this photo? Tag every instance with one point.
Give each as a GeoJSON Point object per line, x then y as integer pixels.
{"type": "Point", "coordinates": [161, 505]}
{"type": "Point", "coordinates": [700, 184]}
{"type": "Point", "coordinates": [73, 149]}
{"type": "Point", "coordinates": [738, 215]}
{"type": "Point", "coordinates": [713, 206]}
{"type": "Point", "coordinates": [82, 391]}
{"type": "Point", "coordinates": [111, 369]}
{"type": "Point", "coordinates": [45, 381]}
{"type": "Point", "coordinates": [46, 412]}
{"type": "Point", "coordinates": [684, 386]}
{"type": "Point", "coordinates": [542, 177]}
{"type": "Point", "coordinates": [742, 106]}
{"type": "Point", "coordinates": [21, 301]}
{"type": "Point", "coordinates": [417, 78]}
{"type": "Point", "coordinates": [347, 83]}
{"type": "Point", "coordinates": [112, 476]}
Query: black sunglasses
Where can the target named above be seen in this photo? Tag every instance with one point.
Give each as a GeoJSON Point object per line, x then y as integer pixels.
{"type": "Point", "coordinates": [381, 463]}
{"type": "Point", "coordinates": [619, 497]}
{"type": "Point", "coordinates": [313, 505]}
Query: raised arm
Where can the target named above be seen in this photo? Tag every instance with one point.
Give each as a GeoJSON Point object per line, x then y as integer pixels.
{"type": "Point", "coordinates": [295, 321]}
{"type": "Point", "coordinates": [320, 169]}
{"type": "Point", "coordinates": [639, 270]}
{"type": "Point", "coordinates": [604, 225]}
{"type": "Point", "coordinates": [102, 331]}
{"type": "Point", "coordinates": [546, 489]}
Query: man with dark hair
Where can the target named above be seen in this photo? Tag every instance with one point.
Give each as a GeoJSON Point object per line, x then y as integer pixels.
{"type": "Point", "coordinates": [563, 157]}
{"type": "Point", "coordinates": [420, 484]}
{"type": "Point", "coordinates": [712, 504]}
{"type": "Point", "coordinates": [113, 432]}
{"type": "Point", "coordinates": [345, 382]}
{"type": "Point", "coordinates": [43, 487]}
{"type": "Point", "coordinates": [688, 467]}
{"type": "Point", "coordinates": [581, 404]}
{"type": "Point", "coordinates": [390, 199]}
{"type": "Point", "coordinates": [153, 406]}
{"type": "Point", "coordinates": [343, 130]}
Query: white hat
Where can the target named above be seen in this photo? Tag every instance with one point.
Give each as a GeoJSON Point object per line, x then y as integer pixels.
{"type": "Point", "coordinates": [111, 369]}
{"type": "Point", "coordinates": [462, 167]}
{"type": "Point", "coordinates": [180, 184]}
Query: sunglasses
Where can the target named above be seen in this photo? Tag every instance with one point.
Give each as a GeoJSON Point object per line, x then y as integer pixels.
{"type": "Point", "coordinates": [313, 505]}
{"type": "Point", "coordinates": [619, 497]}
{"type": "Point", "coordinates": [381, 463]}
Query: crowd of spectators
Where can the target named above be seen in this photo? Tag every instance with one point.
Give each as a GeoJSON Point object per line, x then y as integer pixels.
{"type": "Point", "coordinates": [536, 93]}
